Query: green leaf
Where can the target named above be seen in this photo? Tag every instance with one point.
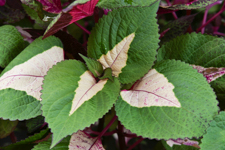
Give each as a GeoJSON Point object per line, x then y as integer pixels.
{"type": "Point", "coordinates": [35, 16]}
{"type": "Point", "coordinates": [45, 145]}
{"type": "Point", "coordinates": [219, 88]}
{"type": "Point", "coordinates": [203, 50]}
{"type": "Point", "coordinates": [11, 44]}
{"type": "Point", "coordinates": [107, 74]}
{"type": "Point", "coordinates": [110, 4]}
{"type": "Point", "coordinates": [194, 5]}
{"type": "Point", "coordinates": [28, 143]}
{"type": "Point", "coordinates": [126, 41]}
{"type": "Point", "coordinates": [72, 100]}
{"type": "Point", "coordinates": [94, 66]}
{"type": "Point", "coordinates": [176, 28]}
{"type": "Point", "coordinates": [171, 101]}
{"type": "Point", "coordinates": [6, 127]}
{"type": "Point", "coordinates": [214, 138]}
{"type": "Point", "coordinates": [34, 123]}
{"type": "Point", "coordinates": [21, 80]}
{"type": "Point", "coordinates": [18, 105]}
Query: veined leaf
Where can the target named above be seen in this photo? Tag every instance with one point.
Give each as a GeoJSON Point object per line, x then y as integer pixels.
{"type": "Point", "coordinates": [6, 127]}
{"type": "Point", "coordinates": [204, 51]}
{"type": "Point", "coordinates": [152, 90]}
{"type": "Point", "coordinates": [94, 66]}
{"type": "Point", "coordinates": [111, 4]}
{"type": "Point", "coordinates": [214, 138]}
{"type": "Point", "coordinates": [126, 40]}
{"type": "Point", "coordinates": [194, 5]}
{"type": "Point", "coordinates": [72, 99]}
{"type": "Point", "coordinates": [74, 12]}
{"type": "Point", "coordinates": [170, 101]}
{"type": "Point", "coordinates": [198, 49]}
{"type": "Point", "coordinates": [11, 44]}
{"type": "Point", "coordinates": [117, 57]}
{"type": "Point", "coordinates": [80, 140]}
{"type": "Point", "coordinates": [28, 143]}
{"type": "Point", "coordinates": [219, 88]}
{"type": "Point", "coordinates": [45, 145]}
{"type": "Point", "coordinates": [21, 80]}
{"type": "Point", "coordinates": [176, 28]}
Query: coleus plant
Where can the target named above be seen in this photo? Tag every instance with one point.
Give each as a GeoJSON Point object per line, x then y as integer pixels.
{"type": "Point", "coordinates": [159, 89]}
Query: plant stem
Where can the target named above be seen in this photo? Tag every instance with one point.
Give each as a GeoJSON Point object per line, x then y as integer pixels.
{"type": "Point", "coordinates": [211, 19]}
{"type": "Point", "coordinates": [173, 13]}
{"type": "Point", "coordinates": [121, 136]}
{"type": "Point", "coordinates": [84, 29]}
{"type": "Point", "coordinates": [104, 130]}
{"type": "Point", "coordinates": [136, 143]}
{"type": "Point", "coordinates": [13, 137]}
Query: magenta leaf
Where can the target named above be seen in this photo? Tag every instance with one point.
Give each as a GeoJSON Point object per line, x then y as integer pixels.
{"type": "Point", "coordinates": [64, 19]}
{"type": "Point", "coordinates": [52, 6]}
{"type": "Point", "coordinates": [2, 2]}
{"type": "Point", "coordinates": [211, 73]}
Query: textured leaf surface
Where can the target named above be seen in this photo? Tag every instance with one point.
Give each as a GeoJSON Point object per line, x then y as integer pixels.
{"type": "Point", "coordinates": [193, 5]}
{"type": "Point", "coordinates": [127, 39]}
{"type": "Point", "coordinates": [117, 57]}
{"type": "Point", "coordinates": [110, 4]}
{"type": "Point", "coordinates": [6, 127]}
{"type": "Point", "coordinates": [70, 15]}
{"type": "Point", "coordinates": [45, 145]}
{"type": "Point", "coordinates": [152, 90]}
{"type": "Point", "coordinates": [176, 28]}
{"type": "Point", "coordinates": [11, 12]}
{"type": "Point", "coordinates": [197, 100]}
{"type": "Point", "coordinates": [52, 6]}
{"type": "Point", "coordinates": [72, 100]}
{"type": "Point", "coordinates": [11, 44]}
{"type": "Point", "coordinates": [34, 123]}
{"type": "Point", "coordinates": [81, 141]}
{"type": "Point", "coordinates": [18, 105]}
{"type": "Point", "coordinates": [34, 15]}
{"type": "Point", "coordinates": [29, 75]}
{"type": "Point", "coordinates": [28, 143]}
{"type": "Point", "coordinates": [219, 88]}
{"type": "Point", "coordinates": [214, 138]}
{"type": "Point", "coordinates": [203, 50]}
{"type": "Point", "coordinates": [94, 66]}
{"type": "Point", "coordinates": [21, 80]}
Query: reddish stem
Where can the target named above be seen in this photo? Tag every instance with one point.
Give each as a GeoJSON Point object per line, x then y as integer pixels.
{"type": "Point", "coordinates": [84, 29]}
{"type": "Point", "coordinates": [136, 143]}
{"type": "Point", "coordinates": [121, 136]}
{"type": "Point", "coordinates": [219, 33]}
{"type": "Point", "coordinates": [44, 124]}
{"type": "Point", "coordinates": [13, 137]}
{"type": "Point", "coordinates": [104, 130]}
{"type": "Point", "coordinates": [130, 135]}
{"type": "Point", "coordinates": [173, 13]}
{"type": "Point", "coordinates": [211, 19]}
